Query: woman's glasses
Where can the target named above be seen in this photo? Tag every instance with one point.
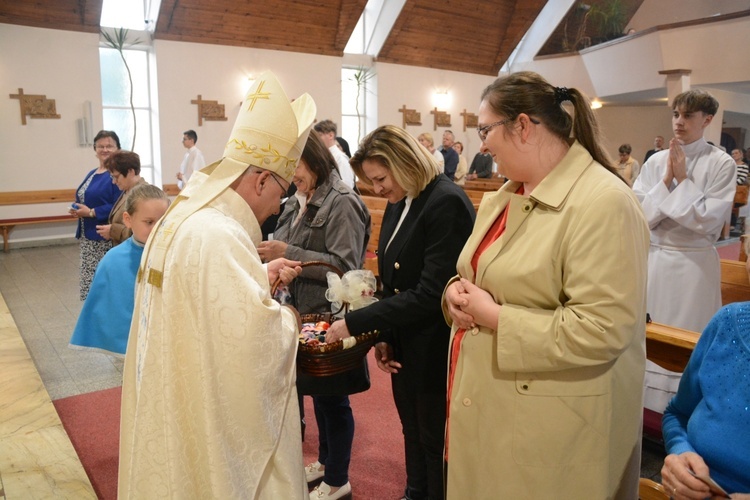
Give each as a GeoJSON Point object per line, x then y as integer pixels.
{"type": "Point", "coordinates": [483, 131]}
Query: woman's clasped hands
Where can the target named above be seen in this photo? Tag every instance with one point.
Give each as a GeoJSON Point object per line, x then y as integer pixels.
{"type": "Point", "coordinates": [469, 305]}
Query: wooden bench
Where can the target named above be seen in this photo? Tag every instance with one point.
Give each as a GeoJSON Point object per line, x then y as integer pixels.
{"type": "Point", "coordinates": [44, 196]}
{"type": "Point", "coordinates": [483, 184]}
{"type": "Point", "coordinates": [33, 197]}
{"type": "Point", "coordinates": [668, 346]}
{"type": "Point", "coordinates": [7, 225]}
{"type": "Point", "coordinates": [475, 197]}
{"type": "Point", "coordinates": [735, 286]}
{"type": "Point", "coordinates": [374, 202]}
{"type": "Point", "coordinates": [371, 259]}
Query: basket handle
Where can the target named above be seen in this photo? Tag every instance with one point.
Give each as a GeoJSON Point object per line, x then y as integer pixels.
{"type": "Point", "coordinates": [333, 268]}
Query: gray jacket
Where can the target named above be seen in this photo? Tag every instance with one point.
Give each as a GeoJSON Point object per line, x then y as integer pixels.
{"type": "Point", "coordinates": [335, 228]}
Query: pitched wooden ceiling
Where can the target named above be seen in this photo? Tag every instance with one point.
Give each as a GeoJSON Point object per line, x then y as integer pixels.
{"type": "Point", "coordinates": [459, 35]}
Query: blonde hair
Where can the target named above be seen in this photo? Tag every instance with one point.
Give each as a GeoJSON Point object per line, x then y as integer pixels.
{"type": "Point", "coordinates": [143, 192]}
{"type": "Point", "coordinates": [427, 136]}
{"type": "Point", "coordinates": [412, 166]}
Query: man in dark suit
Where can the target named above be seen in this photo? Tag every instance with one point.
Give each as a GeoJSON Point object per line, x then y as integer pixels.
{"type": "Point", "coordinates": [658, 146]}
{"type": "Point", "coordinates": [425, 226]}
{"type": "Point", "coordinates": [450, 155]}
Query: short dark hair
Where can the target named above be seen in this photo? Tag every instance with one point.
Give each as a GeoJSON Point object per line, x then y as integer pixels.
{"type": "Point", "coordinates": [696, 100]}
{"type": "Point", "coordinates": [123, 161]}
{"type": "Point", "coordinates": [318, 159]}
{"type": "Point", "coordinates": [344, 146]}
{"type": "Point", "coordinates": [191, 135]}
{"type": "Point", "coordinates": [325, 126]}
{"type": "Point", "coordinates": [625, 148]}
{"type": "Point", "coordinates": [107, 133]}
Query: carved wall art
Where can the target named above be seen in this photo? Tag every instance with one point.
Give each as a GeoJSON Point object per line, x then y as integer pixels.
{"type": "Point", "coordinates": [209, 110]}
{"type": "Point", "coordinates": [470, 120]}
{"type": "Point", "coordinates": [410, 117]}
{"type": "Point", "coordinates": [442, 118]}
{"type": "Point", "coordinates": [35, 106]}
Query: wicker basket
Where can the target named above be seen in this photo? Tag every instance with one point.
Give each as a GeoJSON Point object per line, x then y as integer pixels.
{"type": "Point", "coordinates": [330, 359]}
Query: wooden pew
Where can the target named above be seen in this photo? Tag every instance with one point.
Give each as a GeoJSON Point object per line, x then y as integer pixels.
{"type": "Point", "coordinates": [484, 184]}
{"type": "Point", "coordinates": [44, 196]}
{"type": "Point", "coordinates": [29, 198]}
{"type": "Point", "coordinates": [7, 225]}
{"type": "Point", "coordinates": [371, 259]}
{"type": "Point", "coordinates": [735, 286]}
{"type": "Point", "coordinates": [475, 197]}
{"type": "Point", "coordinates": [374, 202]}
{"type": "Point", "coordinates": [365, 189]}
{"type": "Point", "coordinates": [668, 346]}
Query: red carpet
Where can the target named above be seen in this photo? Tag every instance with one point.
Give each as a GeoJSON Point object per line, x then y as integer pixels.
{"type": "Point", "coordinates": [376, 471]}
{"type": "Point", "coordinates": [731, 251]}
{"type": "Point", "coordinates": [93, 423]}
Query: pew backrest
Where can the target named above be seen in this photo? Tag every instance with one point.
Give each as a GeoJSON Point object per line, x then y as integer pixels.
{"type": "Point", "coordinates": [735, 286]}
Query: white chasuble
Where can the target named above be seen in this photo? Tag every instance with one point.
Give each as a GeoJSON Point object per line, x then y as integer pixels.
{"type": "Point", "coordinates": [209, 404]}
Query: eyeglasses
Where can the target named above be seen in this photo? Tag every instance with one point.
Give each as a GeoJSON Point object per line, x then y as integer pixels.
{"type": "Point", "coordinates": [283, 189]}
{"type": "Point", "coordinates": [107, 147]}
{"type": "Point", "coordinates": [483, 131]}
{"type": "Point", "coordinates": [115, 176]}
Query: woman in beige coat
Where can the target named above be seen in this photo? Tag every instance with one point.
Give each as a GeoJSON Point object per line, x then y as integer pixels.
{"type": "Point", "coordinates": [548, 311]}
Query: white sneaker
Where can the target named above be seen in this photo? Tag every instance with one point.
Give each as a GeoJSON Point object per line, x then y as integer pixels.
{"type": "Point", "coordinates": [323, 492]}
{"type": "Point", "coordinates": [314, 471]}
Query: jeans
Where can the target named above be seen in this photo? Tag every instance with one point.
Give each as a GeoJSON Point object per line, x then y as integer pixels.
{"type": "Point", "coordinates": [336, 431]}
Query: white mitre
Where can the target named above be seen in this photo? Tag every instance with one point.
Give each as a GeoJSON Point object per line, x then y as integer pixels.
{"type": "Point", "coordinates": [270, 133]}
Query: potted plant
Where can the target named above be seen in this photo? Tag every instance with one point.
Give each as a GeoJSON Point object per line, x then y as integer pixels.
{"type": "Point", "coordinates": [118, 40]}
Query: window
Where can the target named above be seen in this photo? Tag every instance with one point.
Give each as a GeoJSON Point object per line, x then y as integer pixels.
{"type": "Point", "coordinates": [116, 82]}
{"type": "Point", "coordinates": [357, 96]}
{"type": "Point", "coordinates": [117, 113]}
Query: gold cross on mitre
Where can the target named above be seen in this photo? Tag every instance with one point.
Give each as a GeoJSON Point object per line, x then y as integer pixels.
{"type": "Point", "coordinates": [253, 98]}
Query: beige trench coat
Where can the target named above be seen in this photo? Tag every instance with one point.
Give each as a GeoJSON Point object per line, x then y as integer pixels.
{"type": "Point", "coordinates": [548, 405]}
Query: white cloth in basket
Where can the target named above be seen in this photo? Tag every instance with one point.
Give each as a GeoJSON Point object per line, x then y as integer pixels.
{"type": "Point", "coordinates": [356, 288]}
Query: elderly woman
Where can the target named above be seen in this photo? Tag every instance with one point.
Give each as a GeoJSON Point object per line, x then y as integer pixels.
{"type": "Point", "coordinates": [324, 221]}
{"type": "Point", "coordinates": [94, 200]}
{"type": "Point", "coordinates": [628, 167]}
{"type": "Point", "coordinates": [706, 425]}
{"type": "Point", "coordinates": [463, 167]}
{"type": "Point", "coordinates": [125, 169]}
{"type": "Point", "coordinates": [548, 310]}
{"type": "Point", "coordinates": [426, 140]}
{"type": "Point", "coordinates": [425, 224]}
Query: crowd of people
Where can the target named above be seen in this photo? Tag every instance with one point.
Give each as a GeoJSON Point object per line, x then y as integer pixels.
{"type": "Point", "coordinates": [514, 336]}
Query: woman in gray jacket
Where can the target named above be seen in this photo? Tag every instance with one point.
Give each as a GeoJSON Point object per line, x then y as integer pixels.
{"type": "Point", "coordinates": [324, 221]}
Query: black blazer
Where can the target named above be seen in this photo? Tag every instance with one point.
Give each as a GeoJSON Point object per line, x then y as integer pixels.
{"type": "Point", "coordinates": [414, 271]}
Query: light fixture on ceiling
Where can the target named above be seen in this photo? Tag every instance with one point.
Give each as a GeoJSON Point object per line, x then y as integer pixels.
{"type": "Point", "coordinates": [441, 99]}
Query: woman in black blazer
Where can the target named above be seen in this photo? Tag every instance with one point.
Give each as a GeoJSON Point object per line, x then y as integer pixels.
{"type": "Point", "coordinates": [426, 223]}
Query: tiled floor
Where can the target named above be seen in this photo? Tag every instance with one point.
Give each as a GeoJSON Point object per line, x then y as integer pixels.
{"type": "Point", "coordinates": [40, 286]}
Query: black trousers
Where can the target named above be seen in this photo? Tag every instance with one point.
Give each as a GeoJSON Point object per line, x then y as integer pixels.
{"type": "Point", "coordinates": [423, 421]}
